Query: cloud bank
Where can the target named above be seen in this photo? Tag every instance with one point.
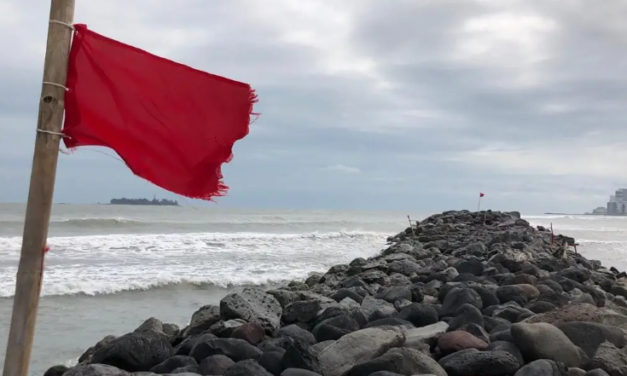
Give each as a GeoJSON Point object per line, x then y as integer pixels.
{"type": "Point", "coordinates": [396, 104]}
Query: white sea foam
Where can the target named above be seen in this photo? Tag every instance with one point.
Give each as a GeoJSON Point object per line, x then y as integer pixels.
{"type": "Point", "coordinates": [106, 264]}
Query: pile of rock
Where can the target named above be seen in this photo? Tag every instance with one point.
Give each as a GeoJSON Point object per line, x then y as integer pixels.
{"type": "Point", "coordinates": [459, 294]}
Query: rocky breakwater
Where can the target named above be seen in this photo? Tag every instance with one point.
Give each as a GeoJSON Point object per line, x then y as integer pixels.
{"type": "Point", "coordinates": [460, 294]}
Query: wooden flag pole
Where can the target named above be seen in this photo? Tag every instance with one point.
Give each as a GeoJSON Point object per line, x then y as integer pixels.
{"type": "Point", "coordinates": [40, 194]}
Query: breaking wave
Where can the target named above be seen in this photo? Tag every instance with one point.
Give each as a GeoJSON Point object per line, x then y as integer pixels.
{"type": "Point", "coordinates": [109, 264]}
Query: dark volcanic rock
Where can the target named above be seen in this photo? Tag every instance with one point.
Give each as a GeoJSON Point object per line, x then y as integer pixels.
{"type": "Point", "coordinates": [170, 364]}
{"type": "Point", "coordinates": [466, 314]}
{"type": "Point", "coordinates": [341, 294]}
{"type": "Point", "coordinates": [394, 293]}
{"type": "Point", "coordinates": [86, 356]}
{"type": "Point", "coordinates": [252, 304]}
{"type": "Point", "coordinates": [609, 359]}
{"type": "Point", "coordinates": [236, 349]}
{"type": "Point", "coordinates": [247, 368]}
{"type": "Point", "coordinates": [404, 267]}
{"type": "Point", "coordinates": [202, 320]}
{"type": "Point", "coordinates": [419, 314]}
{"type": "Point", "coordinates": [392, 321]}
{"type": "Point", "coordinates": [251, 332]}
{"type": "Point", "coordinates": [507, 347]}
{"type": "Point", "coordinates": [473, 362]}
{"type": "Point", "coordinates": [488, 297]}
{"type": "Point", "coordinates": [298, 372]}
{"type": "Point", "coordinates": [474, 267]}
{"type": "Point", "coordinates": [589, 335]}
{"type": "Point", "coordinates": [458, 297]}
{"type": "Point", "coordinates": [542, 367]}
{"type": "Point", "coordinates": [57, 370]}
{"type": "Point", "coordinates": [133, 352]}
{"type": "Point", "coordinates": [459, 340]}
{"type": "Point", "coordinates": [357, 347]}
{"type": "Point", "coordinates": [545, 341]}
{"type": "Point", "coordinates": [272, 361]}
{"type": "Point", "coordinates": [594, 372]}
{"type": "Point", "coordinates": [402, 361]}
{"type": "Point", "coordinates": [224, 329]}
{"type": "Point", "coordinates": [520, 294]}
{"type": "Point", "coordinates": [297, 333]}
{"type": "Point", "coordinates": [215, 365]}
{"type": "Point", "coordinates": [95, 370]}
{"type": "Point", "coordinates": [301, 311]}
{"type": "Point", "coordinates": [540, 306]}
{"type": "Point", "coordinates": [302, 356]}
{"type": "Point", "coordinates": [335, 327]}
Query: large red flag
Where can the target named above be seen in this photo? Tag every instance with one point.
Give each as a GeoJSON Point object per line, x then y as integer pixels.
{"type": "Point", "coordinates": [173, 125]}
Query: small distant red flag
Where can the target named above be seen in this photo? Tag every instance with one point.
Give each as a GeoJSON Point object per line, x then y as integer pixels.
{"type": "Point", "coordinates": [171, 124]}
{"type": "Point", "coordinates": [481, 194]}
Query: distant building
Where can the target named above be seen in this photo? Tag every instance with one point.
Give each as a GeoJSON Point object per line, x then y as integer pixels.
{"type": "Point", "coordinates": [599, 211]}
{"type": "Point", "coordinates": [618, 203]}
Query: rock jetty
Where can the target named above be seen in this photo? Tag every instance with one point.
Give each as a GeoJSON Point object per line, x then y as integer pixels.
{"type": "Point", "coordinates": [459, 294]}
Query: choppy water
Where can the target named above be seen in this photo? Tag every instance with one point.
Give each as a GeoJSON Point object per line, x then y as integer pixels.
{"type": "Point", "coordinates": [111, 267]}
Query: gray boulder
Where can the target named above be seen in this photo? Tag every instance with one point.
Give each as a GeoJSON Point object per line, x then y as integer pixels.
{"type": "Point", "coordinates": [236, 349]}
{"type": "Point", "coordinates": [404, 361]}
{"type": "Point", "coordinates": [609, 359]}
{"type": "Point", "coordinates": [370, 305]}
{"type": "Point", "coordinates": [541, 367]}
{"type": "Point", "coordinates": [474, 362]}
{"type": "Point", "coordinates": [252, 304]}
{"type": "Point", "coordinates": [133, 352]}
{"type": "Point", "coordinates": [247, 368]}
{"type": "Point", "coordinates": [215, 365]}
{"type": "Point", "coordinates": [95, 370]}
{"type": "Point", "coordinates": [415, 338]}
{"type": "Point", "coordinates": [458, 297]}
{"type": "Point", "coordinates": [202, 320]}
{"type": "Point", "coordinates": [170, 364]}
{"type": "Point", "coordinates": [545, 341]}
{"type": "Point", "coordinates": [357, 347]}
{"type": "Point", "coordinates": [590, 335]}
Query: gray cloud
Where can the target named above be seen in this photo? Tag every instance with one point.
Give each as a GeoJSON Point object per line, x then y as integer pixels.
{"type": "Point", "coordinates": [431, 99]}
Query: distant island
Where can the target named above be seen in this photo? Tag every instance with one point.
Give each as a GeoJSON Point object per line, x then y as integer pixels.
{"type": "Point", "coordinates": [143, 201]}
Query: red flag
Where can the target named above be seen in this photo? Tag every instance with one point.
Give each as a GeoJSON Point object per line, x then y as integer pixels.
{"type": "Point", "coordinates": [481, 194]}
{"type": "Point", "coordinates": [173, 125]}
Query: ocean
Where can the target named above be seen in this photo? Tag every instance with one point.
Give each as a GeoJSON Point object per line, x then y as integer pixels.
{"type": "Point", "coordinates": [111, 267]}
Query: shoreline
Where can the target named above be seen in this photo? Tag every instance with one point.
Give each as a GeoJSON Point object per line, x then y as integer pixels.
{"type": "Point", "coordinates": [451, 297]}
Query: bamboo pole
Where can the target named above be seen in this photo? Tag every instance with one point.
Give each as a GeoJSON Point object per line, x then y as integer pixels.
{"type": "Point", "coordinates": [41, 190]}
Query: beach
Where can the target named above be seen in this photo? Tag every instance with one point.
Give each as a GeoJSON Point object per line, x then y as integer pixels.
{"type": "Point", "coordinates": [112, 267]}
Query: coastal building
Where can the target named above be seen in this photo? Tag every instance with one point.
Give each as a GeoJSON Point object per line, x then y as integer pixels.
{"type": "Point", "coordinates": [599, 211]}
{"type": "Point", "coordinates": [618, 203]}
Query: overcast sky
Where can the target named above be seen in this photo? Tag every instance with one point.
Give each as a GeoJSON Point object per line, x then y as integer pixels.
{"type": "Point", "coordinates": [374, 104]}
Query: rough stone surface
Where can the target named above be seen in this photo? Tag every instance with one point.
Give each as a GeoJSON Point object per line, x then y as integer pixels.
{"type": "Point", "coordinates": [474, 362]}
{"type": "Point", "coordinates": [402, 361]}
{"type": "Point", "coordinates": [459, 340]}
{"type": "Point", "coordinates": [357, 347]}
{"type": "Point", "coordinates": [545, 341]}
{"type": "Point", "coordinates": [252, 304]}
{"type": "Point", "coordinates": [136, 351]}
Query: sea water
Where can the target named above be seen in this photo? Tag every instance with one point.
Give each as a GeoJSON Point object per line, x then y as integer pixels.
{"type": "Point", "coordinates": [111, 267]}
